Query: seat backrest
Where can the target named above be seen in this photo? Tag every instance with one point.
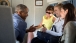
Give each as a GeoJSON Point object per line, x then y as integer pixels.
{"type": "Point", "coordinates": [6, 25]}
{"type": "Point", "coordinates": [70, 32]}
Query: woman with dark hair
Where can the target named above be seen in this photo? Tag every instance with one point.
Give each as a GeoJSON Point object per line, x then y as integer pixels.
{"type": "Point", "coordinates": [69, 15]}
{"type": "Point", "coordinates": [48, 18]}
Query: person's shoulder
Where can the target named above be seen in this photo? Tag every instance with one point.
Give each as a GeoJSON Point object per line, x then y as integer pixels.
{"type": "Point", "coordinates": [14, 15]}
{"type": "Point", "coordinates": [44, 16]}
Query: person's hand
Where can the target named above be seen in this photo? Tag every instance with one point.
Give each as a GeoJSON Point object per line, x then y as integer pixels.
{"type": "Point", "coordinates": [31, 29]}
{"type": "Point", "coordinates": [44, 29]}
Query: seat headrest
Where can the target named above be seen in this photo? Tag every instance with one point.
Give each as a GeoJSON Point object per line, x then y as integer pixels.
{"type": "Point", "coordinates": [6, 25]}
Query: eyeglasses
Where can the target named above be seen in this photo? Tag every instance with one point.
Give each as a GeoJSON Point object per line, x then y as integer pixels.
{"type": "Point", "coordinates": [49, 12]}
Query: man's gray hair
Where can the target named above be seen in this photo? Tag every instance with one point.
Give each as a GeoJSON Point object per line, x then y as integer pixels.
{"type": "Point", "coordinates": [20, 7]}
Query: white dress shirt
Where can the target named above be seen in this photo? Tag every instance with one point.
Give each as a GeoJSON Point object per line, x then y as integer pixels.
{"type": "Point", "coordinates": [59, 25]}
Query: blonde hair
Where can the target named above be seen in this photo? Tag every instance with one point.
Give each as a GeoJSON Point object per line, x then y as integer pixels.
{"type": "Point", "coordinates": [59, 6]}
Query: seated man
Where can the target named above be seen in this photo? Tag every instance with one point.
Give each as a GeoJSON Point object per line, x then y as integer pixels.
{"type": "Point", "coordinates": [19, 22]}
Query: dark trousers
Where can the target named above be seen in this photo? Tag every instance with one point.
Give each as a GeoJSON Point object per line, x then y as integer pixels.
{"type": "Point", "coordinates": [37, 40]}
{"type": "Point", "coordinates": [52, 40]}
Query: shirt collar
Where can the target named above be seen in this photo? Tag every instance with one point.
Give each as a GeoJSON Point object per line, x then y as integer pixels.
{"type": "Point", "coordinates": [60, 19]}
{"type": "Point", "coordinates": [15, 14]}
